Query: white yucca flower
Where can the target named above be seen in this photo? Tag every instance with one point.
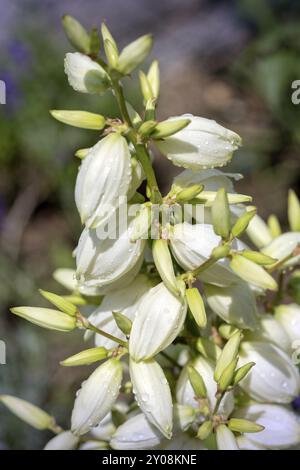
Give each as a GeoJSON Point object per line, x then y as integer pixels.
{"type": "Point", "coordinates": [282, 427]}
{"type": "Point", "coordinates": [96, 396]}
{"type": "Point", "coordinates": [103, 179]}
{"type": "Point", "coordinates": [136, 434]}
{"type": "Point", "coordinates": [84, 74]}
{"type": "Point", "coordinates": [137, 177]}
{"type": "Point", "coordinates": [159, 320]}
{"type": "Point", "coordinates": [269, 329]}
{"type": "Point", "coordinates": [225, 438]}
{"type": "Point", "coordinates": [289, 318]}
{"type": "Point", "coordinates": [107, 264]}
{"type": "Point", "coordinates": [186, 396]}
{"type": "Point", "coordinates": [274, 378]}
{"type": "Point", "coordinates": [235, 304]}
{"type": "Point", "coordinates": [283, 246]}
{"type": "Point", "coordinates": [105, 428]}
{"type": "Point", "coordinates": [124, 301]}
{"type": "Point", "coordinates": [192, 245]}
{"type": "Point", "coordinates": [201, 144]}
{"type": "Point", "coordinates": [63, 441]}
{"type": "Point", "coordinates": [152, 393]}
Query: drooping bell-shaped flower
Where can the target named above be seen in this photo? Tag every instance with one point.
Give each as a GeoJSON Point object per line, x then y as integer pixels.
{"type": "Point", "coordinates": [106, 264]}
{"type": "Point", "coordinates": [153, 394]}
{"type": "Point", "coordinates": [85, 75]}
{"type": "Point", "coordinates": [124, 301]}
{"type": "Point", "coordinates": [235, 304]}
{"type": "Point", "coordinates": [158, 321]}
{"type": "Point", "coordinates": [274, 378]}
{"type": "Point", "coordinates": [186, 396]}
{"type": "Point", "coordinates": [282, 427]}
{"type": "Point", "coordinates": [135, 434]}
{"type": "Point", "coordinates": [203, 143]}
{"type": "Point", "coordinates": [103, 179]}
{"type": "Point", "coordinates": [192, 245]}
{"type": "Point", "coordinates": [96, 396]}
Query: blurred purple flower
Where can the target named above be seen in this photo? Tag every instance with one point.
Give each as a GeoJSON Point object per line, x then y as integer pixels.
{"type": "Point", "coordinates": [296, 404]}
{"type": "Point", "coordinates": [18, 53]}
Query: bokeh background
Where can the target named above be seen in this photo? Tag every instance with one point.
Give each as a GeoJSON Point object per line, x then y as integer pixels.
{"type": "Point", "coordinates": [233, 61]}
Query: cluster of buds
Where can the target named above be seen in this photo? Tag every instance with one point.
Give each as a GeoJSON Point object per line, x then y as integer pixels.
{"type": "Point", "coordinates": [195, 339]}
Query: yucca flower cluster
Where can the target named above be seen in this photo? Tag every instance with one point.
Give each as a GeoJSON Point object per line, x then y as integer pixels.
{"type": "Point", "coordinates": [197, 333]}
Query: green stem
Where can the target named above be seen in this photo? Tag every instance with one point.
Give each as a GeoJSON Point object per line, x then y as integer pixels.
{"type": "Point", "coordinates": [91, 327]}
{"type": "Point", "coordinates": [218, 402]}
{"type": "Point", "coordinates": [207, 264]}
{"type": "Point", "coordinates": [141, 150]}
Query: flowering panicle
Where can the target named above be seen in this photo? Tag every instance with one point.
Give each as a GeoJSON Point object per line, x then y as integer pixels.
{"type": "Point", "coordinates": [195, 337]}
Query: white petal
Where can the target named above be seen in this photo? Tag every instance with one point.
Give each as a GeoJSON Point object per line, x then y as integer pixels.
{"type": "Point", "coordinates": [225, 438]}
{"type": "Point", "coordinates": [282, 429]}
{"type": "Point", "coordinates": [192, 245]}
{"type": "Point", "coordinates": [135, 434]}
{"type": "Point", "coordinates": [159, 320]}
{"type": "Point", "coordinates": [152, 393]}
{"type": "Point", "coordinates": [283, 246]}
{"type": "Point", "coordinates": [274, 378]}
{"type": "Point", "coordinates": [289, 318]}
{"type": "Point", "coordinates": [101, 262]}
{"type": "Point", "coordinates": [269, 329]}
{"type": "Point", "coordinates": [84, 74]}
{"type": "Point", "coordinates": [104, 177]}
{"type": "Point", "coordinates": [96, 396]}
{"type": "Point", "coordinates": [236, 304]}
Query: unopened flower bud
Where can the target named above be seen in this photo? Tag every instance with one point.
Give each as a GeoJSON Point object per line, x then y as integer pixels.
{"type": "Point", "coordinates": [258, 258]}
{"type": "Point", "coordinates": [77, 34]}
{"type": "Point", "coordinates": [221, 214]}
{"type": "Point", "coordinates": [227, 375]}
{"type": "Point", "coordinates": [134, 54]}
{"type": "Point", "coordinates": [27, 412]}
{"type": "Point", "coordinates": [244, 425]}
{"type": "Point", "coordinates": [153, 78]}
{"type": "Point", "coordinates": [123, 323]}
{"type": "Point", "coordinates": [258, 231]}
{"type": "Point", "coordinates": [205, 430]}
{"type": "Point", "coordinates": [241, 372]}
{"type": "Point", "coordinates": [294, 211]}
{"type": "Point", "coordinates": [252, 273]}
{"type": "Point", "coordinates": [229, 353]}
{"type": "Point", "coordinates": [87, 357]}
{"type": "Point", "coordinates": [274, 226]}
{"type": "Point", "coordinates": [187, 194]}
{"type": "Point", "coordinates": [111, 53]}
{"type": "Point", "coordinates": [46, 318]}
{"type": "Point", "coordinates": [59, 302]}
{"type": "Point", "coordinates": [164, 265]}
{"type": "Point", "coordinates": [197, 382]}
{"type": "Point", "coordinates": [196, 306]}
{"type": "Point", "coordinates": [242, 223]}
{"type": "Point", "coordinates": [167, 128]}
{"type": "Point", "coordinates": [82, 119]}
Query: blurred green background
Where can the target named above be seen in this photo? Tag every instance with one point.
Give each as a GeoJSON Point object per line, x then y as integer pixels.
{"type": "Point", "coordinates": [233, 61]}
